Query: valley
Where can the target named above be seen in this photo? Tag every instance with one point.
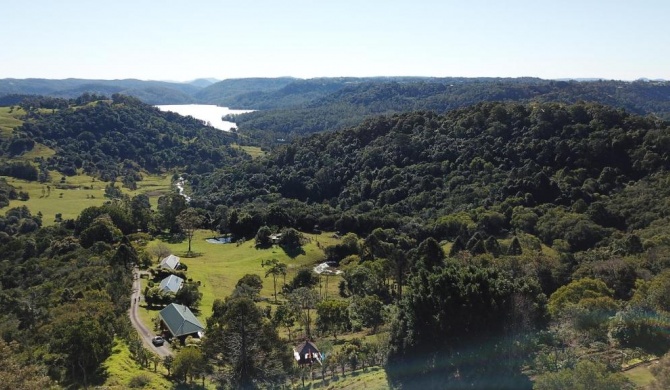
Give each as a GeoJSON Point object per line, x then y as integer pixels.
{"type": "Point", "coordinates": [210, 114]}
{"type": "Point", "coordinates": [468, 224]}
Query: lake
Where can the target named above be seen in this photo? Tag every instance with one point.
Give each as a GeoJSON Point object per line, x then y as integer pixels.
{"type": "Point", "coordinates": [209, 113]}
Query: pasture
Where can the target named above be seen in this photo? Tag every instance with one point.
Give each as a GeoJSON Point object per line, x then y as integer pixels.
{"type": "Point", "coordinates": [72, 195]}
{"type": "Point", "coordinates": [218, 267]}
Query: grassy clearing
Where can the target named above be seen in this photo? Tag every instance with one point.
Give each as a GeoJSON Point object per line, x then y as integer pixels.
{"type": "Point", "coordinates": [253, 151]}
{"type": "Point", "coordinates": [371, 378]}
{"type": "Point", "coordinates": [219, 266]}
{"type": "Point", "coordinates": [121, 369]}
{"type": "Point", "coordinates": [9, 120]}
{"type": "Point", "coordinates": [38, 151]}
{"type": "Point", "coordinates": [77, 193]}
{"type": "Point", "coordinates": [641, 376]}
{"type": "Point", "coordinates": [154, 186]}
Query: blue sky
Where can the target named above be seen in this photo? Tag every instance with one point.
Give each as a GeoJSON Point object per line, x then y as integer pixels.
{"type": "Point", "coordinates": [183, 40]}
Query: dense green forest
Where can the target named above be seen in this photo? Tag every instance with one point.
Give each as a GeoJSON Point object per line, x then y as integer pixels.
{"type": "Point", "coordinates": [226, 92]}
{"type": "Point", "coordinates": [355, 101]}
{"type": "Point", "coordinates": [62, 304]}
{"type": "Point", "coordinates": [409, 171]}
{"type": "Point", "coordinates": [498, 245]}
{"type": "Point", "coordinates": [119, 137]}
{"type": "Point", "coordinates": [555, 218]}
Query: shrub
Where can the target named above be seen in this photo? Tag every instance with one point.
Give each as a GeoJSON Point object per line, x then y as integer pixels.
{"type": "Point", "coordinates": [139, 381]}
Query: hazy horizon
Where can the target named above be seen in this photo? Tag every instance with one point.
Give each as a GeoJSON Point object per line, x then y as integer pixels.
{"type": "Point", "coordinates": [214, 80]}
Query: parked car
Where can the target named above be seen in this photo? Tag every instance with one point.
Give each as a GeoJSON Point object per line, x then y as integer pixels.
{"type": "Point", "coordinates": [158, 341]}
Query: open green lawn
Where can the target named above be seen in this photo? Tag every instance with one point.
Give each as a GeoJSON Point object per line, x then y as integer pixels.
{"type": "Point", "coordinates": [219, 266]}
{"type": "Point", "coordinates": [372, 378]}
{"type": "Point", "coordinates": [77, 193]}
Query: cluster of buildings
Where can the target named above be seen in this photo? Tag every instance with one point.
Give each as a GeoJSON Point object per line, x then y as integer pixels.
{"type": "Point", "coordinates": [176, 319]}
{"type": "Point", "coordinates": [180, 322]}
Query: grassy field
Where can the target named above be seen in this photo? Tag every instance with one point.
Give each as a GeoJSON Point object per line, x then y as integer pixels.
{"type": "Point", "coordinates": [121, 369]}
{"type": "Point", "coordinates": [77, 193]}
{"type": "Point", "coordinates": [253, 151]}
{"type": "Point", "coordinates": [640, 376]}
{"type": "Point", "coordinates": [9, 120]}
{"type": "Point", "coordinates": [153, 186]}
{"type": "Point", "coordinates": [372, 378]}
{"type": "Point", "coordinates": [219, 266]}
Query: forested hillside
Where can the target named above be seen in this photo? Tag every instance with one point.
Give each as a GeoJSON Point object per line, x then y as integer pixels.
{"type": "Point", "coordinates": [62, 304]}
{"type": "Point", "coordinates": [540, 159]}
{"type": "Point", "coordinates": [352, 103]}
{"type": "Point", "coordinates": [118, 137]}
{"type": "Point", "coordinates": [488, 245]}
{"type": "Point", "coordinates": [152, 92]}
{"type": "Point", "coordinates": [225, 92]}
{"type": "Point", "coordinates": [553, 219]}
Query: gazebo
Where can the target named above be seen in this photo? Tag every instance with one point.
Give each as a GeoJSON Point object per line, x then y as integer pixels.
{"type": "Point", "coordinates": [306, 353]}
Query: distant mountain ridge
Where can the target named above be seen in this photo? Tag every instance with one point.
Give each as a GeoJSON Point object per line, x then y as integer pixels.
{"type": "Point", "coordinates": [151, 92]}
{"type": "Point", "coordinates": [288, 107]}
{"type": "Point", "coordinates": [351, 104]}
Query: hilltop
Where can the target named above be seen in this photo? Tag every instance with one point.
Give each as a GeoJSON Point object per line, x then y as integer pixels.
{"type": "Point", "coordinates": [409, 171]}
{"type": "Point", "coordinates": [117, 137]}
{"type": "Point", "coordinates": [353, 102]}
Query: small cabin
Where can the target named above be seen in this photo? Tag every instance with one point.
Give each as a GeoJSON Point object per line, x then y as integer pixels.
{"type": "Point", "coordinates": [170, 262]}
{"type": "Point", "coordinates": [171, 284]}
{"type": "Point", "coordinates": [306, 353]}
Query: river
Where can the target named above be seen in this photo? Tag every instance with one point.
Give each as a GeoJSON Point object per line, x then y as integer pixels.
{"type": "Point", "coordinates": [209, 113]}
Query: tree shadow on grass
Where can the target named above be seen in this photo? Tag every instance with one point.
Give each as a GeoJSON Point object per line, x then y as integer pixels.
{"type": "Point", "coordinates": [189, 386]}
{"type": "Point", "coordinates": [171, 238]}
{"type": "Point", "coordinates": [293, 252]}
{"type": "Point", "coordinates": [193, 254]}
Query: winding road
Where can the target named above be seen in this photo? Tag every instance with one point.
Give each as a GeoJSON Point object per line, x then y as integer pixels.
{"type": "Point", "coordinates": [145, 333]}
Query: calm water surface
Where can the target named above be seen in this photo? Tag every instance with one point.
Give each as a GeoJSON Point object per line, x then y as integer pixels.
{"type": "Point", "coordinates": [206, 112]}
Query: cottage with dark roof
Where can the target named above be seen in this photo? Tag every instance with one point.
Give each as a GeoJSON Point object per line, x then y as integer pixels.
{"type": "Point", "coordinates": [306, 353]}
{"type": "Point", "coordinates": [171, 284]}
{"type": "Point", "coordinates": [180, 321]}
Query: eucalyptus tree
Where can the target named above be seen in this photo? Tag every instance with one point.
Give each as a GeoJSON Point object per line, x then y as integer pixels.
{"type": "Point", "coordinates": [275, 269]}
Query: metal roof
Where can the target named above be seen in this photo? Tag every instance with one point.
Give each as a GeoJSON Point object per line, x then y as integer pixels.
{"type": "Point", "coordinates": [171, 262]}
{"type": "Point", "coordinates": [171, 284]}
{"type": "Point", "coordinates": [179, 320]}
